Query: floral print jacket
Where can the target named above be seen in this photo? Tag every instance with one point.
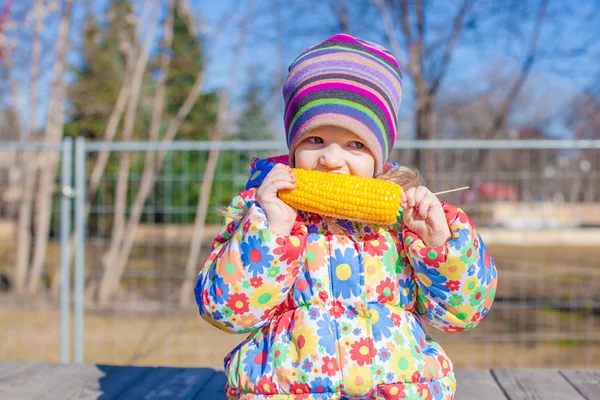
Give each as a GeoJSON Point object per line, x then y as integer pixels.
{"type": "Point", "coordinates": [334, 309]}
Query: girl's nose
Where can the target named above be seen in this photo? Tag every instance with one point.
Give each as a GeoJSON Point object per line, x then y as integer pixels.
{"type": "Point", "coordinates": [331, 157]}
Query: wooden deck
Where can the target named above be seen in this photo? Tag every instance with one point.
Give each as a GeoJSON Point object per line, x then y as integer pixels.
{"type": "Point", "coordinates": [56, 381]}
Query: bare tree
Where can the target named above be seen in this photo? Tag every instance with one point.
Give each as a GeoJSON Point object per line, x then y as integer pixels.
{"type": "Point", "coordinates": [129, 123]}
{"type": "Point", "coordinates": [110, 133]}
{"type": "Point", "coordinates": [52, 134]}
{"type": "Point", "coordinates": [191, 270]}
{"type": "Point", "coordinates": [340, 9]}
{"type": "Point", "coordinates": [502, 115]}
{"type": "Point", "coordinates": [427, 71]}
{"type": "Point", "coordinates": [112, 276]}
{"type": "Point", "coordinates": [28, 166]}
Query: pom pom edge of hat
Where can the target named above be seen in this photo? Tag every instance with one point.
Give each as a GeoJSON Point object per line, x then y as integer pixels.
{"type": "Point", "coordinates": [346, 82]}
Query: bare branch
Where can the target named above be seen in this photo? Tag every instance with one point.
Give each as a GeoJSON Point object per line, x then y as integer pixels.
{"type": "Point", "coordinates": [391, 35]}
{"type": "Point", "coordinates": [527, 63]}
{"type": "Point", "coordinates": [53, 134]}
{"type": "Point", "coordinates": [111, 277]}
{"type": "Point", "coordinates": [457, 28]}
{"type": "Point", "coordinates": [340, 8]}
{"type": "Point", "coordinates": [186, 292]}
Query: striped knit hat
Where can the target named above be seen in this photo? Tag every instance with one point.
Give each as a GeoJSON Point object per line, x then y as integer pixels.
{"type": "Point", "coordinates": [345, 82]}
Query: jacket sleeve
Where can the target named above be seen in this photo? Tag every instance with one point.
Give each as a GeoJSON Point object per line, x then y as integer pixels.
{"type": "Point", "coordinates": [250, 269]}
{"type": "Point", "coordinates": [456, 282]}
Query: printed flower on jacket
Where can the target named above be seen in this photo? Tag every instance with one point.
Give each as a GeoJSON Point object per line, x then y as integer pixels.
{"type": "Point", "coordinates": [431, 282]}
{"type": "Point", "coordinates": [219, 291]}
{"type": "Point", "coordinates": [279, 354]}
{"type": "Point", "coordinates": [290, 248]}
{"type": "Point", "coordinates": [265, 296]}
{"type": "Point", "coordinates": [386, 290]}
{"type": "Point", "coordinates": [375, 244]}
{"type": "Point", "coordinates": [326, 337]}
{"type": "Point", "coordinates": [238, 302]}
{"type": "Point", "coordinates": [330, 366]}
{"type": "Point", "coordinates": [359, 379]}
{"type": "Point", "coordinates": [257, 362]}
{"type": "Point", "coordinates": [454, 267]}
{"type": "Point", "coordinates": [230, 269]}
{"type": "Point", "coordinates": [337, 309]}
{"type": "Point", "coordinates": [406, 287]}
{"type": "Point", "coordinates": [346, 276]}
{"type": "Point", "coordinates": [469, 254]}
{"type": "Point", "coordinates": [382, 323]}
{"type": "Point", "coordinates": [437, 390]}
{"type": "Point", "coordinates": [255, 256]}
{"type": "Point", "coordinates": [362, 351]}
{"type": "Point", "coordinates": [266, 385]}
{"type": "Point", "coordinates": [321, 385]}
{"type": "Point", "coordinates": [393, 392]}
{"type": "Point", "coordinates": [478, 296]}
{"type": "Point", "coordinates": [486, 272]}
{"type": "Point", "coordinates": [424, 391]}
{"type": "Point", "coordinates": [445, 364]}
{"type": "Point", "coordinates": [315, 258]}
{"type": "Point", "coordinates": [299, 388]}
{"type": "Point", "coordinates": [461, 238]}
{"type": "Point", "coordinates": [432, 256]}
{"type": "Point", "coordinates": [453, 285]}
{"type": "Point", "coordinates": [305, 337]}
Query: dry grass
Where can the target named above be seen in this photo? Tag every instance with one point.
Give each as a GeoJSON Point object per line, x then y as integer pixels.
{"type": "Point", "coordinates": [554, 275]}
{"type": "Point", "coordinates": [183, 339]}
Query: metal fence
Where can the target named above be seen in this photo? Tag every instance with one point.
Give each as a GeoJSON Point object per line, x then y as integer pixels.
{"type": "Point", "coordinates": [535, 203]}
{"type": "Point", "coordinates": [17, 159]}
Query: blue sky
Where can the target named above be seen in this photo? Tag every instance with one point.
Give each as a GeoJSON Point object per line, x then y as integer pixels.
{"type": "Point", "coordinates": [557, 76]}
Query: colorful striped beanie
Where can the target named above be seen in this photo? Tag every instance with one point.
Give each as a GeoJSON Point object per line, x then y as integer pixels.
{"type": "Point", "coordinates": [345, 82]}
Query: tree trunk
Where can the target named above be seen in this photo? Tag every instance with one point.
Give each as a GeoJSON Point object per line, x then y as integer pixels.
{"type": "Point", "coordinates": [52, 134]}
{"type": "Point", "coordinates": [103, 156]}
{"type": "Point", "coordinates": [111, 278]}
{"type": "Point", "coordinates": [125, 159]}
{"type": "Point", "coordinates": [27, 160]}
{"type": "Point", "coordinates": [186, 292]}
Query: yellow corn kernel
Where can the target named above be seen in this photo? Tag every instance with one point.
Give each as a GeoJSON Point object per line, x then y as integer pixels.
{"type": "Point", "coordinates": [343, 196]}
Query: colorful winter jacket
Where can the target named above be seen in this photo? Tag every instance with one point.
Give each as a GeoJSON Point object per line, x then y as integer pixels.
{"type": "Point", "coordinates": [334, 309]}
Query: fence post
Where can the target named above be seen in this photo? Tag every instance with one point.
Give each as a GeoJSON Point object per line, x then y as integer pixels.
{"type": "Point", "coordinates": [65, 232]}
{"type": "Point", "coordinates": [80, 189]}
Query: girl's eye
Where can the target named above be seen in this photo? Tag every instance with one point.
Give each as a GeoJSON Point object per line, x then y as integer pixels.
{"type": "Point", "coordinates": [358, 145]}
{"type": "Point", "coordinates": [314, 139]}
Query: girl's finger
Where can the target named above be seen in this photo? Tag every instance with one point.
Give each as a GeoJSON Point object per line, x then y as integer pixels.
{"type": "Point", "coordinates": [283, 184]}
{"type": "Point", "coordinates": [410, 197]}
{"type": "Point", "coordinates": [425, 205]}
{"type": "Point", "coordinates": [408, 213]}
{"type": "Point", "coordinates": [420, 193]}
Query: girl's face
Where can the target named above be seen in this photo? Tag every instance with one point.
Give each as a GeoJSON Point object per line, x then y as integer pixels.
{"type": "Point", "coordinates": [335, 149]}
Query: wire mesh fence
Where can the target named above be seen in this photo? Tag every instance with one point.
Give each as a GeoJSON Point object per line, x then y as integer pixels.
{"type": "Point", "coordinates": [35, 223]}
{"type": "Point", "coordinates": [535, 204]}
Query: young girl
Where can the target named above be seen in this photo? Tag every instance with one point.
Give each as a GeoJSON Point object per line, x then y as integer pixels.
{"type": "Point", "coordinates": [334, 307]}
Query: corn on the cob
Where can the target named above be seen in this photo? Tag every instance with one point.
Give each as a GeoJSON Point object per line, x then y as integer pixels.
{"type": "Point", "coordinates": [344, 196]}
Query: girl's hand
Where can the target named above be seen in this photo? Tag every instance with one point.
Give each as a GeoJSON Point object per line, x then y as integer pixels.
{"type": "Point", "coordinates": [280, 216]}
{"type": "Point", "coordinates": [424, 215]}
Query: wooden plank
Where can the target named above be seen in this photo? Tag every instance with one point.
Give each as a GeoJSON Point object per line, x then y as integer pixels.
{"type": "Point", "coordinates": [119, 379]}
{"type": "Point", "coordinates": [184, 383]}
{"type": "Point", "coordinates": [75, 381]}
{"type": "Point", "coordinates": [7, 369]}
{"type": "Point", "coordinates": [530, 384]}
{"type": "Point", "coordinates": [215, 389]}
{"type": "Point", "coordinates": [27, 381]}
{"type": "Point", "coordinates": [8, 366]}
{"type": "Point", "coordinates": [586, 382]}
{"type": "Point", "coordinates": [149, 382]}
{"type": "Point", "coordinates": [477, 384]}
